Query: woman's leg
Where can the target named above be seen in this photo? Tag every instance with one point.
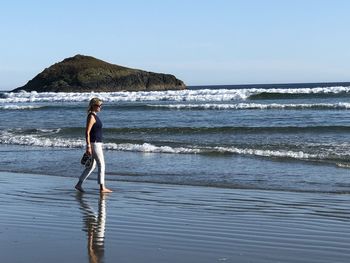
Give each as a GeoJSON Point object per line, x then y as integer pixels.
{"type": "Point", "coordinates": [99, 157]}
{"type": "Point", "coordinates": [100, 160]}
{"type": "Point", "coordinates": [88, 170]}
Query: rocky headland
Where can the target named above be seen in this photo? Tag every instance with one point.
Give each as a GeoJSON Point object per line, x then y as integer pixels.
{"type": "Point", "coordinates": [85, 74]}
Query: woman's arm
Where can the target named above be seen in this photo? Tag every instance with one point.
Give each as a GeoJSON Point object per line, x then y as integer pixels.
{"type": "Point", "coordinates": [89, 123]}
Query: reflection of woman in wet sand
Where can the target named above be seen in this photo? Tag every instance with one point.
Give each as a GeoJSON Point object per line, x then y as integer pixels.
{"type": "Point", "coordinates": [94, 225]}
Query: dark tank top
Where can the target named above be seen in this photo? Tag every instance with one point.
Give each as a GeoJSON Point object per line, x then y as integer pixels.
{"type": "Point", "coordinates": [96, 130]}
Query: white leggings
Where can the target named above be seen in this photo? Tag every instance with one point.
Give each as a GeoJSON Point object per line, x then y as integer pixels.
{"type": "Point", "coordinates": [97, 157]}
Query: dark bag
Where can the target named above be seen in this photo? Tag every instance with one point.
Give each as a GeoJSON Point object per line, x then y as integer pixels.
{"type": "Point", "coordinates": [86, 160]}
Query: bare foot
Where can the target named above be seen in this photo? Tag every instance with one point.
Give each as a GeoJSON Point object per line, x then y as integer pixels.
{"type": "Point", "coordinates": [105, 190]}
{"type": "Point", "coordinates": [79, 188]}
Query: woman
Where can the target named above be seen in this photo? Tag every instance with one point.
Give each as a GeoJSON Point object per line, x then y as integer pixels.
{"type": "Point", "coordinates": [93, 135]}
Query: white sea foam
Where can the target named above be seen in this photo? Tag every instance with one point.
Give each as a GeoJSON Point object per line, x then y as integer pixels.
{"type": "Point", "coordinates": [19, 107]}
{"type": "Point", "coordinates": [171, 95]}
{"type": "Point", "coordinates": [36, 140]}
{"type": "Point", "coordinates": [343, 165]}
{"type": "Point", "coordinates": [149, 148]}
{"type": "Point", "coordinates": [241, 106]}
{"type": "Point", "coordinates": [49, 130]}
{"type": "Point", "coordinates": [269, 153]}
{"type": "Point", "coordinates": [146, 147]}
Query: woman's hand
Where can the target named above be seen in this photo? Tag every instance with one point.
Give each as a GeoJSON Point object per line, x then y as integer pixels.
{"type": "Point", "coordinates": [88, 150]}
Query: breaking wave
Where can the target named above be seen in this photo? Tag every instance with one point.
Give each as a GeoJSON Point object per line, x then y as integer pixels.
{"type": "Point", "coordinates": [19, 107]}
{"type": "Point", "coordinates": [247, 106]}
{"type": "Point", "coordinates": [200, 95]}
{"type": "Point", "coordinates": [7, 137]}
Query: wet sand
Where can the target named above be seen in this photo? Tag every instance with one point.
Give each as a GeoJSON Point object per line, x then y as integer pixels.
{"type": "Point", "coordinates": [43, 219]}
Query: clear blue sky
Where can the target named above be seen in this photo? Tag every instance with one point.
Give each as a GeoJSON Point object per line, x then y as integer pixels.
{"type": "Point", "coordinates": [200, 41]}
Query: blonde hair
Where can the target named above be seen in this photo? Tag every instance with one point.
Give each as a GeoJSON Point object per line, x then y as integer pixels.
{"type": "Point", "coordinates": [94, 101]}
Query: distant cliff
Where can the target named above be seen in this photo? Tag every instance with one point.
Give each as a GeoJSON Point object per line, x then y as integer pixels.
{"type": "Point", "coordinates": [84, 74]}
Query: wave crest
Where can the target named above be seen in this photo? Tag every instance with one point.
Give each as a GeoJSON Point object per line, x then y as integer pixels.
{"type": "Point", "coordinates": [36, 140]}
{"type": "Point", "coordinates": [19, 107]}
{"type": "Point", "coordinates": [200, 95]}
{"type": "Point", "coordinates": [247, 106]}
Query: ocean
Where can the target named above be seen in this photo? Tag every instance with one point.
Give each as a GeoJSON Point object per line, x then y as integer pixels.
{"type": "Point", "coordinates": [287, 137]}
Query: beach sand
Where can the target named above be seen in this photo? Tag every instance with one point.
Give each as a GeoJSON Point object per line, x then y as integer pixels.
{"type": "Point", "coordinates": [43, 219]}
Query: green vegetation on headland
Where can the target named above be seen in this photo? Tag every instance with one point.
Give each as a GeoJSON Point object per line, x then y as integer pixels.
{"type": "Point", "coordinates": [85, 74]}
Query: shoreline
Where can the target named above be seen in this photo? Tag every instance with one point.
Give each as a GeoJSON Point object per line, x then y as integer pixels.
{"type": "Point", "coordinates": [110, 179]}
{"type": "Point", "coordinates": [47, 220]}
